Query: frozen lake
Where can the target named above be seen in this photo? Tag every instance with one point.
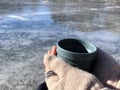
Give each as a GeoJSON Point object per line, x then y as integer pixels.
{"type": "Point", "coordinates": [29, 28]}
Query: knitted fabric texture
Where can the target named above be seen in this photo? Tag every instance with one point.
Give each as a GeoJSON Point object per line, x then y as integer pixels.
{"type": "Point", "coordinates": [68, 77]}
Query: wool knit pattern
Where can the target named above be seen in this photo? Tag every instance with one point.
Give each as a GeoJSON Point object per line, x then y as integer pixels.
{"type": "Point", "coordinates": [68, 77]}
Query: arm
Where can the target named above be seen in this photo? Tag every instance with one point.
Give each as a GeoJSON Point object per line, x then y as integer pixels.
{"type": "Point", "coordinates": [107, 69]}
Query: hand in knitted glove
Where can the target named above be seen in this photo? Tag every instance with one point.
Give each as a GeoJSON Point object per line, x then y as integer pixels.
{"type": "Point", "coordinates": [62, 76]}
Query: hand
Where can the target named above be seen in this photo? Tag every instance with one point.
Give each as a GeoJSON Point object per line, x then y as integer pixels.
{"type": "Point", "coordinates": [50, 52]}
{"type": "Point", "coordinates": [62, 76]}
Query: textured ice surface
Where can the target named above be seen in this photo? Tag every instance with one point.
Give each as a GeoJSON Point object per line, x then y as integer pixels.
{"type": "Point", "coordinates": [29, 28]}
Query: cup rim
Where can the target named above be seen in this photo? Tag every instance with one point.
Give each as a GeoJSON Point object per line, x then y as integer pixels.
{"type": "Point", "coordinates": [82, 41]}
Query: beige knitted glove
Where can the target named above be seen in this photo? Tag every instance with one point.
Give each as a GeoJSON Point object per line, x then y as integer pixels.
{"type": "Point", "coordinates": [107, 69]}
{"type": "Point", "coordinates": [62, 76]}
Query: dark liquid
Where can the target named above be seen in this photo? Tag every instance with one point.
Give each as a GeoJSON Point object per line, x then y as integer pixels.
{"type": "Point", "coordinates": [73, 46]}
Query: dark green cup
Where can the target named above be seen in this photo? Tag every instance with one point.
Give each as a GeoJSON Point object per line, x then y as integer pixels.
{"type": "Point", "coordinates": [78, 53]}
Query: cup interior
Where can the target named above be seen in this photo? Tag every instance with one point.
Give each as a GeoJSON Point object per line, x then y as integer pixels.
{"type": "Point", "coordinates": [76, 46]}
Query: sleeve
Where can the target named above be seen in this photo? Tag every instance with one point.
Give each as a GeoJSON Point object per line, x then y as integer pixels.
{"type": "Point", "coordinates": [42, 86]}
{"type": "Point", "coordinates": [107, 70]}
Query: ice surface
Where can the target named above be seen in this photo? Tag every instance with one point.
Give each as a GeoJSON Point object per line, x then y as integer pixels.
{"type": "Point", "coordinates": [29, 28]}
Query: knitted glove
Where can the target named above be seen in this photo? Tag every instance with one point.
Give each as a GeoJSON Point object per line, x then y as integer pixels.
{"type": "Point", "coordinates": [62, 76]}
{"type": "Point", "coordinates": [107, 69]}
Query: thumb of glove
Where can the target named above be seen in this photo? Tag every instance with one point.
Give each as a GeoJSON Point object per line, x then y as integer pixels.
{"type": "Point", "coordinates": [55, 64]}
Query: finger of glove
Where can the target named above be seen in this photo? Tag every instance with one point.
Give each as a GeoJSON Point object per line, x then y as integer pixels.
{"type": "Point", "coordinates": [49, 52]}
{"type": "Point", "coordinates": [56, 64]}
{"type": "Point", "coordinates": [118, 85]}
{"type": "Point", "coordinates": [46, 62]}
{"type": "Point", "coordinates": [114, 84]}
